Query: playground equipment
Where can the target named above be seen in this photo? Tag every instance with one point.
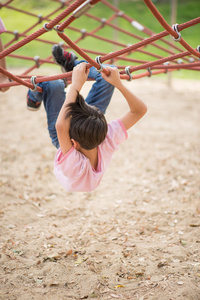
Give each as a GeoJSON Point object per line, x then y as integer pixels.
{"type": "Point", "coordinates": [174, 57]}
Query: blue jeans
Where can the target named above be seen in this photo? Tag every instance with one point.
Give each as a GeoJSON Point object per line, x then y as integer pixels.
{"type": "Point", "coordinates": [53, 97]}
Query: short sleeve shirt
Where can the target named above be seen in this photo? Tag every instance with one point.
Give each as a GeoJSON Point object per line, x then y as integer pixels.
{"type": "Point", "coordinates": [74, 170]}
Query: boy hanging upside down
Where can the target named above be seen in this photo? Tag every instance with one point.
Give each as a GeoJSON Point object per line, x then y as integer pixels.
{"type": "Point", "coordinates": [78, 127]}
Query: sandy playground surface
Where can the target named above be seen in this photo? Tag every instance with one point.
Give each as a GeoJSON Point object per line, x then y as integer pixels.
{"type": "Point", "coordinates": [136, 237]}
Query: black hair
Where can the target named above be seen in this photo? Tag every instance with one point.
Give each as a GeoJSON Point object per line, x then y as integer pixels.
{"type": "Point", "coordinates": [88, 125]}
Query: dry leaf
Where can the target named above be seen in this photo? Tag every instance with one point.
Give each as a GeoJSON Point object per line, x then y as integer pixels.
{"type": "Point", "coordinates": [54, 283]}
{"type": "Point", "coordinates": [69, 252]}
{"type": "Point", "coordinates": [139, 272]}
{"type": "Point", "coordinates": [54, 255]}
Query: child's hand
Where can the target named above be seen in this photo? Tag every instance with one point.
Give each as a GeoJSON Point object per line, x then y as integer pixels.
{"type": "Point", "coordinates": [79, 76]}
{"type": "Point", "coordinates": [113, 78]}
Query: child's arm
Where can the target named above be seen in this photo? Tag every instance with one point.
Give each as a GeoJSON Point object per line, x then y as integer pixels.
{"type": "Point", "coordinates": [137, 107]}
{"type": "Point", "coordinates": [79, 76]}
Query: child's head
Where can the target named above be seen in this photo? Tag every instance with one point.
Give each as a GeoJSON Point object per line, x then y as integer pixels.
{"type": "Point", "coordinates": [88, 124]}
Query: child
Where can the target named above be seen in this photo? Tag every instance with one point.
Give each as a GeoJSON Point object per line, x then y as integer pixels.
{"type": "Point", "coordinates": [78, 127]}
{"type": "Point", "coordinates": [3, 78]}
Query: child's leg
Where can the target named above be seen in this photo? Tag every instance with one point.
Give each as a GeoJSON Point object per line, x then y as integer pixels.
{"type": "Point", "coordinates": [101, 91]}
{"type": "Point", "coordinates": [53, 96]}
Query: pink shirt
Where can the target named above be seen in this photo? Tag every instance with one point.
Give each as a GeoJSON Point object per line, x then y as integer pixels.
{"type": "Point", "coordinates": [2, 27]}
{"type": "Point", "coordinates": [74, 170]}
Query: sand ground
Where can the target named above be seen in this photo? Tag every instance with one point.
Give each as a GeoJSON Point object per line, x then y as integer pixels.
{"type": "Point", "coordinates": [136, 237]}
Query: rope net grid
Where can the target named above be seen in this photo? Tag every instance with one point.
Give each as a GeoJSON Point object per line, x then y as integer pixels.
{"type": "Point", "coordinates": [147, 53]}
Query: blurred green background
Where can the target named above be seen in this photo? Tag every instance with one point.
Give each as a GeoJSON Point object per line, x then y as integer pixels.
{"type": "Point", "coordinates": [136, 9]}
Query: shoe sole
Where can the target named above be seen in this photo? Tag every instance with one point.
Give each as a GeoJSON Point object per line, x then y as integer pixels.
{"type": "Point", "coordinates": [32, 109]}
{"type": "Point", "coordinates": [54, 58]}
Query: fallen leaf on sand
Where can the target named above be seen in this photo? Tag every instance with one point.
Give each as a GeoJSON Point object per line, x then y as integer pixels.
{"type": "Point", "coordinates": [69, 252]}
{"type": "Point", "coordinates": [54, 256]}
{"type": "Point", "coordinates": [54, 283]}
{"type": "Point", "coordinates": [139, 272]}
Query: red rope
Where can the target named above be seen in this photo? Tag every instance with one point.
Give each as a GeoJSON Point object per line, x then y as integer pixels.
{"type": "Point", "coordinates": [72, 18]}
{"type": "Point", "coordinates": [81, 52]}
{"type": "Point", "coordinates": [160, 61]}
{"type": "Point", "coordinates": [162, 21]}
{"type": "Point", "coordinates": [42, 30]}
{"type": "Point", "coordinates": [22, 42]}
{"type": "Point", "coordinates": [114, 56]}
{"type": "Point", "coordinates": [17, 79]}
{"type": "Point", "coordinates": [180, 66]}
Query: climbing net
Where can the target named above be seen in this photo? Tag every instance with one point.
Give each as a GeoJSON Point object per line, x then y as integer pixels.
{"type": "Point", "coordinates": [174, 57]}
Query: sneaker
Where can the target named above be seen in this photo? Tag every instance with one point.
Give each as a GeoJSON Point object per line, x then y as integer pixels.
{"type": "Point", "coordinates": [63, 58]}
{"type": "Point", "coordinates": [32, 105]}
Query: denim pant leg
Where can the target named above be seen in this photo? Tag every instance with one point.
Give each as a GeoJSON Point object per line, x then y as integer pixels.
{"type": "Point", "coordinates": [101, 91]}
{"type": "Point", "coordinates": [53, 96]}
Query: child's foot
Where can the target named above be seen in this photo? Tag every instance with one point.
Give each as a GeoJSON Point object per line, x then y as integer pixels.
{"type": "Point", "coordinates": [63, 58]}
{"type": "Point", "coordinates": [32, 105]}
